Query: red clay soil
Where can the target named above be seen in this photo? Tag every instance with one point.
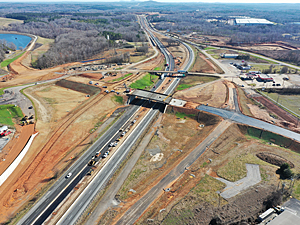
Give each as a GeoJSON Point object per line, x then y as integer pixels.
{"type": "Point", "coordinates": [15, 146]}
{"type": "Point", "coordinates": [30, 178]}
{"type": "Point", "coordinates": [276, 109]}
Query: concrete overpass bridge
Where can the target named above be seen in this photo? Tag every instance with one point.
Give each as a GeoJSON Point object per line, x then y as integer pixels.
{"type": "Point", "coordinates": [155, 97]}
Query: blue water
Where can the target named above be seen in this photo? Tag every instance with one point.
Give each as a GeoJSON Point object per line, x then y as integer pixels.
{"type": "Point", "coordinates": [17, 39]}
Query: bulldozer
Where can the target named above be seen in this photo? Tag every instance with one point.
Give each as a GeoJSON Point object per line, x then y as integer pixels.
{"type": "Point", "coordinates": [27, 122]}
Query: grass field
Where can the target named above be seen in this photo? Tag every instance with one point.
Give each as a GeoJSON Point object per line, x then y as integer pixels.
{"type": "Point", "coordinates": [145, 82]}
{"type": "Point", "coordinates": [236, 168]}
{"type": "Point", "coordinates": [182, 115]}
{"type": "Point", "coordinates": [6, 21]}
{"type": "Point", "coordinates": [208, 48]}
{"type": "Point", "coordinates": [121, 78]}
{"type": "Point", "coordinates": [118, 99]}
{"type": "Point", "coordinates": [8, 61]}
{"type": "Point", "coordinates": [190, 81]}
{"type": "Point", "coordinates": [8, 112]}
{"type": "Point", "coordinates": [44, 41]}
{"type": "Point", "coordinates": [289, 101]}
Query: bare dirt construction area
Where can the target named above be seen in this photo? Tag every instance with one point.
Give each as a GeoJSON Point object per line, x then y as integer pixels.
{"type": "Point", "coordinates": [213, 94]}
{"type": "Point", "coordinates": [63, 123]}
{"type": "Point", "coordinates": [177, 134]}
{"type": "Point", "coordinates": [288, 120]}
{"type": "Point", "coordinates": [262, 114]}
{"type": "Point", "coordinates": [193, 198]}
{"type": "Point", "coordinates": [204, 65]}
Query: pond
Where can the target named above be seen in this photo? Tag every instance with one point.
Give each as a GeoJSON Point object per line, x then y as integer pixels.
{"type": "Point", "coordinates": [21, 41]}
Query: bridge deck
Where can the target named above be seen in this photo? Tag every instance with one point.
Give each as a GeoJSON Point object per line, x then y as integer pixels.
{"type": "Point", "coordinates": [154, 96]}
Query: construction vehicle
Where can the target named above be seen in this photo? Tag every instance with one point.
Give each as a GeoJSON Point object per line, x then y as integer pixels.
{"type": "Point", "coordinates": [91, 163]}
{"type": "Point", "coordinates": [90, 172]}
{"type": "Point", "coordinates": [27, 122]}
{"type": "Point", "coordinates": [97, 154]}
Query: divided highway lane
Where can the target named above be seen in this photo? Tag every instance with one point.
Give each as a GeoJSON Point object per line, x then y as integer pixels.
{"type": "Point", "coordinates": [82, 202]}
{"type": "Point", "coordinates": [40, 211]}
{"type": "Point", "coordinates": [240, 118]}
{"type": "Point", "coordinates": [86, 197]}
{"type": "Point", "coordinates": [45, 206]}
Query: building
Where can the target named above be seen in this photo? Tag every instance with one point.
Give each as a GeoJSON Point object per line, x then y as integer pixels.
{"type": "Point", "coordinates": [264, 77]}
{"type": "Point", "coordinates": [249, 22]}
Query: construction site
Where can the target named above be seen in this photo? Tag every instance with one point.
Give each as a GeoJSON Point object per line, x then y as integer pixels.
{"type": "Point", "coordinates": [197, 167]}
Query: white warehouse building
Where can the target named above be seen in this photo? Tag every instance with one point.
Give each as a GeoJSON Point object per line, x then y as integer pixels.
{"type": "Point", "coordinates": [249, 22]}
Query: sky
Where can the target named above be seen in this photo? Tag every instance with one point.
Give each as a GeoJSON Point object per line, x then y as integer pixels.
{"type": "Point", "coordinates": [207, 1]}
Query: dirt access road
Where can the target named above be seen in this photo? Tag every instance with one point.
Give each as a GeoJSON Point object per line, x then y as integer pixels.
{"type": "Point", "coordinates": [143, 203]}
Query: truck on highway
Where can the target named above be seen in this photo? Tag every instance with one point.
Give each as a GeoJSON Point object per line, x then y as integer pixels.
{"type": "Point", "coordinates": [97, 154]}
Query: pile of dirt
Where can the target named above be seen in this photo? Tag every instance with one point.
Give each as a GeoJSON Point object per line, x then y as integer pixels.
{"type": "Point", "coordinates": [96, 76]}
{"type": "Point", "coordinates": [241, 209]}
{"type": "Point", "coordinates": [84, 88]}
{"type": "Point", "coordinates": [273, 159]}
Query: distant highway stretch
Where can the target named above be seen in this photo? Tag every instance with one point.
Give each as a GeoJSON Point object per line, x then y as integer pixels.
{"type": "Point", "coordinates": [82, 202]}
{"type": "Point", "coordinates": [56, 194]}
{"type": "Point", "coordinates": [240, 118]}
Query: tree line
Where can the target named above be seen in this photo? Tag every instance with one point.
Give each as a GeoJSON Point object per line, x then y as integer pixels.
{"type": "Point", "coordinates": [78, 36]}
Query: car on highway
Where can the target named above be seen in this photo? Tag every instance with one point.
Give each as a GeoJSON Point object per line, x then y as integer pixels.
{"type": "Point", "coordinates": [69, 175]}
{"type": "Point", "coordinates": [105, 154]}
{"type": "Point", "coordinates": [111, 144]}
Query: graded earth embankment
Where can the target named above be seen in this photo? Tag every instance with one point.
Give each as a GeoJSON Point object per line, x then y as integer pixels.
{"type": "Point", "coordinates": [84, 88]}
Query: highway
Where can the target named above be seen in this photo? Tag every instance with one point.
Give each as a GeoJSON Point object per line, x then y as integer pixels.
{"type": "Point", "coordinates": [82, 202]}
{"type": "Point", "coordinates": [56, 194]}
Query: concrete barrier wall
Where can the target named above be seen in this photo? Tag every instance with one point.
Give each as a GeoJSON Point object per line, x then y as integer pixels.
{"type": "Point", "coordinates": [17, 161]}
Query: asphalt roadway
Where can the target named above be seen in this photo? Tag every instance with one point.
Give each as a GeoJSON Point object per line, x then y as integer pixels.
{"type": "Point", "coordinates": [45, 206]}
{"type": "Point", "coordinates": [82, 202]}
{"type": "Point", "coordinates": [240, 118]}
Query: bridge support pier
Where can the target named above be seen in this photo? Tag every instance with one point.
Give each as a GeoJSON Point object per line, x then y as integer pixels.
{"type": "Point", "coordinates": [165, 109]}
{"type": "Point", "coordinates": [130, 99]}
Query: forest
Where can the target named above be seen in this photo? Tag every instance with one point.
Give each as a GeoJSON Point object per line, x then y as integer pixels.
{"type": "Point", "coordinates": [78, 36]}
{"type": "Point", "coordinates": [83, 30]}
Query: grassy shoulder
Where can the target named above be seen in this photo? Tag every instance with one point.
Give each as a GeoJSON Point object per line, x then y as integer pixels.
{"type": "Point", "coordinates": [8, 113]}
{"type": "Point", "coordinates": [121, 78]}
{"type": "Point", "coordinates": [291, 102]}
{"type": "Point", "coordinates": [191, 81]}
{"type": "Point", "coordinates": [118, 99]}
{"type": "Point", "coordinates": [8, 61]}
{"type": "Point", "coordinates": [145, 82]}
